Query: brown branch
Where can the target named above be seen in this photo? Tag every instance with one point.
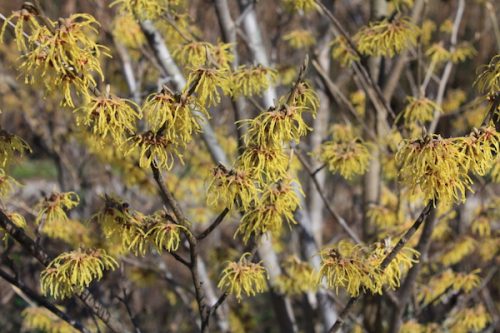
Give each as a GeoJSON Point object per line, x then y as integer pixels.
{"type": "Point", "coordinates": [373, 90]}
{"type": "Point", "coordinates": [387, 260]}
{"type": "Point", "coordinates": [214, 308]}
{"type": "Point", "coordinates": [213, 225]}
{"type": "Point", "coordinates": [404, 293]}
{"type": "Point", "coordinates": [329, 207]}
{"type": "Point", "coordinates": [42, 301]}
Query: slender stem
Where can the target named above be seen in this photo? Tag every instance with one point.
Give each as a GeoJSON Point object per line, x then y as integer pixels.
{"type": "Point", "coordinates": [329, 207]}
{"type": "Point", "coordinates": [42, 301]}
{"type": "Point", "coordinates": [213, 225]}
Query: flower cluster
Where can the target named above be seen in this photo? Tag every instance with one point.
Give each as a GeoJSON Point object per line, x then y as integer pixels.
{"type": "Point", "coordinates": [343, 52]}
{"type": "Point", "coordinates": [300, 39]}
{"type": "Point", "coordinates": [298, 277]}
{"type": "Point", "coordinates": [39, 319]}
{"type": "Point", "coordinates": [163, 234]}
{"type": "Point", "coordinates": [7, 184]}
{"type": "Point", "coordinates": [464, 320]}
{"type": "Point", "coordinates": [387, 38]}
{"type": "Point", "coordinates": [386, 213]}
{"type": "Point", "coordinates": [444, 281]}
{"type": "Point", "coordinates": [198, 54]}
{"type": "Point", "coordinates": [356, 268]}
{"type": "Point", "coordinates": [146, 9]}
{"type": "Point", "coordinates": [206, 82]}
{"type": "Point", "coordinates": [171, 115]}
{"type": "Point", "coordinates": [109, 115]}
{"type": "Point", "coordinates": [243, 277]}
{"type": "Point", "coordinates": [10, 145]}
{"type": "Point", "coordinates": [17, 219]}
{"type": "Point", "coordinates": [135, 231]}
{"type": "Point", "coordinates": [439, 167]}
{"type": "Point", "coordinates": [64, 54]}
{"type": "Point", "coordinates": [346, 153]}
{"type": "Point", "coordinates": [278, 202]}
{"type": "Point", "coordinates": [73, 271]}
{"type": "Point", "coordinates": [249, 81]}
{"type": "Point", "coordinates": [128, 32]}
{"type": "Point", "coordinates": [301, 5]}
{"type": "Point", "coordinates": [419, 110]}
{"type": "Point", "coordinates": [52, 213]}
{"type": "Point", "coordinates": [488, 81]}
{"type": "Point", "coordinates": [481, 148]}
{"type": "Point", "coordinates": [437, 53]}
{"type": "Point", "coordinates": [154, 147]}
{"type": "Point", "coordinates": [229, 187]}
{"type": "Point", "coordinates": [436, 166]}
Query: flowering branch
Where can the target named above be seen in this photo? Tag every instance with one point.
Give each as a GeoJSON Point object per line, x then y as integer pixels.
{"type": "Point", "coordinates": [387, 260]}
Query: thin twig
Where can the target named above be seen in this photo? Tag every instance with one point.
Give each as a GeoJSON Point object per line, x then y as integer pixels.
{"type": "Point", "coordinates": [329, 207]}
{"type": "Point", "coordinates": [42, 301]}
{"type": "Point", "coordinates": [213, 225]}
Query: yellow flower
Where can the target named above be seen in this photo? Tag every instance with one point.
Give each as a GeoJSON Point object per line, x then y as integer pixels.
{"type": "Point", "coordinates": [304, 95]}
{"type": "Point", "coordinates": [277, 203]}
{"type": "Point", "coordinates": [488, 81]}
{"type": "Point", "coordinates": [277, 126]}
{"type": "Point", "coordinates": [446, 26]}
{"type": "Point", "coordinates": [435, 165]}
{"type": "Point", "coordinates": [39, 319]}
{"type": "Point", "coordinates": [194, 54]}
{"type": "Point", "coordinates": [223, 55]}
{"type": "Point", "coordinates": [299, 277]}
{"type": "Point", "coordinates": [52, 211]}
{"type": "Point", "coordinates": [437, 53]}
{"type": "Point", "coordinates": [300, 39]}
{"type": "Point", "coordinates": [386, 38]}
{"type": "Point", "coordinates": [342, 266]}
{"type": "Point", "coordinates": [265, 164]}
{"type": "Point", "coordinates": [345, 153]}
{"type": "Point", "coordinates": [467, 281]}
{"type": "Point", "coordinates": [67, 57]}
{"type": "Point", "coordinates": [454, 98]}
{"type": "Point", "coordinates": [462, 52]}
{"type": "Point", "coordinates": [163, 234]}
{"type": "Point", "coordinates": [122, 224]}
{"type": "Point", "coordinates": [11, 144]}
{"type": "Point", "coordinates": [243, 277]}
{"type": "Point", "coordinates": [228, 187]}
{"type": "Point", "coordinates": [17, 219]}
{"type": "Point", "coordinates": [343, 52]}
{"type": "Point", "coordinates": [206, 83]}
{"type": "Point", "coordinates": [356, 268]}
{"type": "Point", "coordinates": [171, 115]}
{"type": "Point", "coordinates": [7, 184]}
{"type": "Point", "coordinates": [23, 18]}
{"type": "Point", "coordinates": [401, 263]}
{"type": "Point", "coordinates": [72, 271]}
{"type": "Point", "coordinates": [466, 320]}
{"type": "Point", "coordinates": [419, 110]}
{"type": "Point", "coordinates": [127, 31]}
{"type": "Point", "coordinates": [109, 115]}
{"type": "Point", "coordinates": [458, 250]}
{"type": "Point", "coordinates": [249, 81]}
{"type": "Point", "coordinates": [154, 147]}
{"type": "Point", "coordinates": [481, 148]}
{"type": "Point", "coordinates": [398, 4]}
{"type": "Point", "coordinates": [427, 28]}
{"type": "Point", "coordinates": [147, 9]}
{"type": "Point", "coordinates": [301, 5]}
